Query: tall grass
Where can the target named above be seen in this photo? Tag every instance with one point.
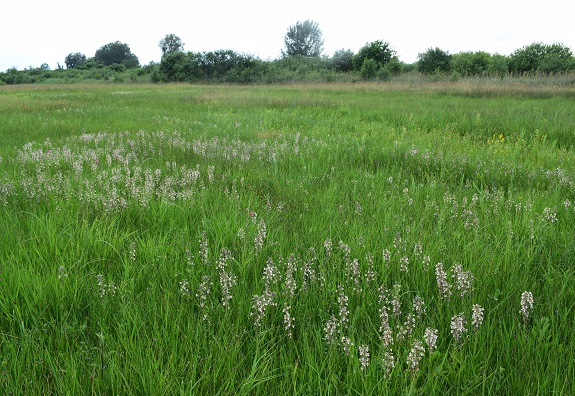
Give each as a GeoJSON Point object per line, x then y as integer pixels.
{"type": "Point", "coordinates": [286, 240]}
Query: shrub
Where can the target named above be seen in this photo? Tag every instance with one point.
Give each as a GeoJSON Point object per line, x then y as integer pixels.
{"type": "Point", "coordinates": [341, 61]}
{"type": "Point", "coordinates": [368, 69]}
{"type": "Point", "coordinates": [434, 60]}
{"type": "Point", "coordinates": [378, 51]}
{"type": "Point", "coordinates": [539, 57]}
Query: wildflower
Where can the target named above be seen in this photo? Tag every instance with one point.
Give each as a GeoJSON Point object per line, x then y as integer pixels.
{"type": "Point", "coordinates": [386, 256]}
{"type": "Point", "coordinates": [260, 303]}
{"type": "Point", "coordinates": [189, 258]}
{"type": "Point", "coordinates": [133, 251]}
{"type": "Point", "coordinates": [354, 274]}
{"type": "Point", "coordinates": [426, 260]}
{"type": "Point", "coordinates": [403, 262]}
{"type": "Point", "coordinates": [271, 273]}
{"type": "Point", "coordinates": [418, 306]}
{"type": "Point", "coordinates": [106, 289]}
{"type": "Point", "coordinates": [345, 249]}
{"type": "Point", "coordinates": [330, 330]}
{"type": "Point", "coordinates": [211, 169]}
{"type": "Point", "coordinates": [415, 355]}
{"type": "Point", "coordinates": [388, 362]}
{"type": "Point", "coordinates": [358, 208]}
{"type": "Point", "coordinates": [346, 345]}
{"type": "Point", "coordinates": [526, 304]}
{"type": "Point", "coordinates": [370, 274]}
{"type": "Point", "coordinates": [342, 300]}
{"type": "Point", "coordinates": [418, 249]}
{"type": "Point", "coordinates": [398, 243]}
{"type": "Point", "coordinates": [288, 320]}
{"type": "Point", "coordinates": [260, 236]}
{"type": "Point", "coordinates": [309, 273]}
{"type": "Point", "coordinates": [477, 316]}
{"type": "Point", "coordinates": [442, 284]}
{"type": "Point", "coordinates": [241, 235]}
{"type": "Point", "coordinates": [62, 272]}
{"type": "Point", "coordinates": [386, 334]}
{"type": "Point", "coordinates": [363, 356]}
{"type": "Point", "coordinates": [227, 279]}
{"type": "Point", "coordinates": [430, 337]}
{"type": "Point", "coordinates": [458, 326]}
{"type": "Point", "coordinates": [204, 291]}
{"type": "Point", "coordinates": [184, 290]}
{"type": "Point", "coordinates": [463, 279]}
{"type": "Point", "coordinates": [550, 215]}
{"type": "Point", "coordinates": [405, 330]}
{"type": "Point", "coordinates": [327, 246]}
{"type": "Point", "coordinates": [203, 253]}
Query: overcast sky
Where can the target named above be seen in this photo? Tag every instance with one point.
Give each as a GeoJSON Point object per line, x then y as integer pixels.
{"type": "Point", "coordinates": [33, 32]}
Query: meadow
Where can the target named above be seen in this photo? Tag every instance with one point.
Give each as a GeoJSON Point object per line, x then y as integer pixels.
{"type": "Point", "coordinates": [325, 239]}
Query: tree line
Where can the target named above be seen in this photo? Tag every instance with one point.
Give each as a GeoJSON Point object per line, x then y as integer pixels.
{"type": "Point", "coordinates": [302, 59]}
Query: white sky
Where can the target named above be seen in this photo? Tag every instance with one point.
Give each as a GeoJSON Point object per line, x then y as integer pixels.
{"type": "Point", "coordinates": [33, 32]}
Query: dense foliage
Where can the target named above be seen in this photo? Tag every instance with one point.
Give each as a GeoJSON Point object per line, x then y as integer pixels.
{"type": "Point", "coordinates": [302, 61]}
{"type": "Point", "coordinates": [377, 51]}
{"type": "Point", "coordinates": [434, 60]}
{"type": "Point", "coordinates": [539, 57]}
{"type": "Point", "coordinates": [74, 59]}
{"type": "Point", "coordinates": [170, 44]}
{"type": "Point", "coordinates": [303, 39]}
{"type": "Point", "coordinates": [116, 53]}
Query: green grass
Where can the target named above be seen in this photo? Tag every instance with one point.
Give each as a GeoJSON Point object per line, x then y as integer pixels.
{"type": "Point", "coordinates": [139, 221]}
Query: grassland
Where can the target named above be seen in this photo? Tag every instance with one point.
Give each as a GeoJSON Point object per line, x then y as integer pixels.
{"type": "Point", "coordinates": [302, 239]}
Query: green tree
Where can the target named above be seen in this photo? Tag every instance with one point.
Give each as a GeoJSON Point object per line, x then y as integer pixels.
{"type": "Point", "coordinates": [368, 69]}
{"type": "Point", "coordinates": [471, 63]}
{"type": "Point", "coordinates": [221, 65]}
{"type": "Point", "coordinates": [394, 66]}
{"type": "Point", "coordinates": [90, 63]}
{"type": "Point", "coordinates": [116, 52]}
{"type": "Point", "coordinates": [179, 66]}
{"type": "Point", "coordinates": [434, 60]}
{"type": "Point", "coordinates": [499, 65]}
{"type": "Point", "coordinates": [170, 44]}
{"type": "Point", "coordinates": [342, 60]}
{"type": "Point", "coordinates": [303, 39]}
{"type": "Point", "coordinates": [379, 51]}
{"type": "Point", "coordinates": [539, 57]}
{"type": "Point", "coordinates": [74, 59]}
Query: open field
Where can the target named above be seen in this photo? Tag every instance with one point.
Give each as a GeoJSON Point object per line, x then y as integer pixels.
{"type": "Point", "coordinates": [301, 239]}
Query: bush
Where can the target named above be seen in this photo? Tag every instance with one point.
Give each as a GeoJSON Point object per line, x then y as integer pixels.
{"type": "Point", "coordinates": [384, 74]}
{"type": "Point", "coordinates": [341, 61]}
{"type": "Point", "coordinates": [434, 60]}
{"type": "Point", "coordinates": [539, 57]}
{"type": "Point", "coordinates": [471, 63]}
{"type": "Point", "coordinates": [368, 69]}
{"type": "Point", "coordinates": [378, 51]}
{"type": "Point", "coordinates": [394, 66]}
{"type": "Point", "coordinates": [118, 68]}
{"type": "Point", "coordinates": [116, 52]}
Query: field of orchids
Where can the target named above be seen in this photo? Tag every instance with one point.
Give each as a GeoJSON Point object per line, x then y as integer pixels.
{"type": "Point", "coordinates": [359, 239]}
